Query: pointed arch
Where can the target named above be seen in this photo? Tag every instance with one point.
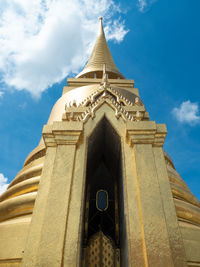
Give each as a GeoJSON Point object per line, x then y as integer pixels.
{"type": "Point", "coordinates": [105, 111]}
{"type": "Point", "coordinates": [104, 171]}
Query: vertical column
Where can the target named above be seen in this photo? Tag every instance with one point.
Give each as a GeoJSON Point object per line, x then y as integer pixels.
{"type": "Point", "coordinates": [73, 237]}
{"type": "Point", "coordinates": [175, 238]}
{"type": "Point", "coordinates": [156, 246]}
{"type": "Point", "coordinates": [52, 227]}
{"type": "Point", "coordinates": [134, 225]}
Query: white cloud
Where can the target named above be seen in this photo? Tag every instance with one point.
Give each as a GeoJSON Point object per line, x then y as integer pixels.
{"type": "Point", "coordinates": [187, 112]}
{"type": "Point", "coordinates": [144, 5]}
{"type": "Point", "coordinates": [3, 183]}
{"type": "Point", "coordinates": [41, 42]}
{"type": "Point", "coordinates": [115, 31]}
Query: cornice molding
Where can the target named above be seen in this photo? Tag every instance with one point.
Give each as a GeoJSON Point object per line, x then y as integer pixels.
{"type": "Point", "coordinates": [147, 132]}
{"type": "Point", "coordinates": [62, 133]}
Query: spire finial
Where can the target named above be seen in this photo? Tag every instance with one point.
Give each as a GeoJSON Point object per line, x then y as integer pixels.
{"type": "Point", "coordinates": [101, 31]}
{"type": "Point", "coordinates": [104, 68]}
{"type": "Point", "coordinates": [105, 82]}
{"type": "Point", "coordinates": [104, 76]}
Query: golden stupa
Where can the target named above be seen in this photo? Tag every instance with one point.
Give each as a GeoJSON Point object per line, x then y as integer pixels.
{"type": "Point", "coordinates": [99, 190]}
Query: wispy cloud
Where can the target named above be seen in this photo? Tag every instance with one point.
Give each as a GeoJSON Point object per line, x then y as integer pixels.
{"type": "Point", "coordinates": [187, 112]}
{"type": "Point", "coordinates": [23, 105]}
{"type": "Point", "coordinates": [1, 94]}
{"type": "Point", "coordinates": [116, 30]}
{"type": "Point", "coordinates": [3, 183]}
{"type": "Point", "coordinates": [41, 42]}
{"type": "Point", "coordinates": [144, 5]}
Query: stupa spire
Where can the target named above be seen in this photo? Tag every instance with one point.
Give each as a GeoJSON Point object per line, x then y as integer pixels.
{"type": "Point", "coordinates": [100, 55]}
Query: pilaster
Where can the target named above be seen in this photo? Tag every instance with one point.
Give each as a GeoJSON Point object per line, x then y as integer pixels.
{"type": "Point", "coordinates": [74, 228]}
{"type": "Point", "coordinates": [157, 216]}
{"type": "Point", "coordinates": [134, 227]}
{"type": "Point", "coordinates": [45, 242]}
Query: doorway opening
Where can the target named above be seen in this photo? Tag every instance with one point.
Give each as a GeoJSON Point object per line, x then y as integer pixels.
{"type": "Point", "coordinates": [104, 234]}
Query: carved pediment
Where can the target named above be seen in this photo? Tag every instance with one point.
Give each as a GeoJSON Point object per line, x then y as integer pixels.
{"type": "Point", "coordinates": [124, 108]}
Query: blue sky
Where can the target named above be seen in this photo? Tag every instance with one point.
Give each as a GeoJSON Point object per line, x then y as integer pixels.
{"type": "Point", "coordinates": [156, 43]}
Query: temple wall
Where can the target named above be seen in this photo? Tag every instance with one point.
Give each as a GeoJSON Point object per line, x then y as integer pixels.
{"type": "Point", "coordinates": [191, 240]}
{"type": "Point", "coordinates": [13, 234]}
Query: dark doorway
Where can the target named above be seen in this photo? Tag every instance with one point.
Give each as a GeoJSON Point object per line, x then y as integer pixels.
{"type": "Point", "coordinates": [104, 202]}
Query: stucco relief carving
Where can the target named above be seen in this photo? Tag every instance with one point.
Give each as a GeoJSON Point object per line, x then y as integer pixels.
{"type": "Point", "coordinates": [122, 107]}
